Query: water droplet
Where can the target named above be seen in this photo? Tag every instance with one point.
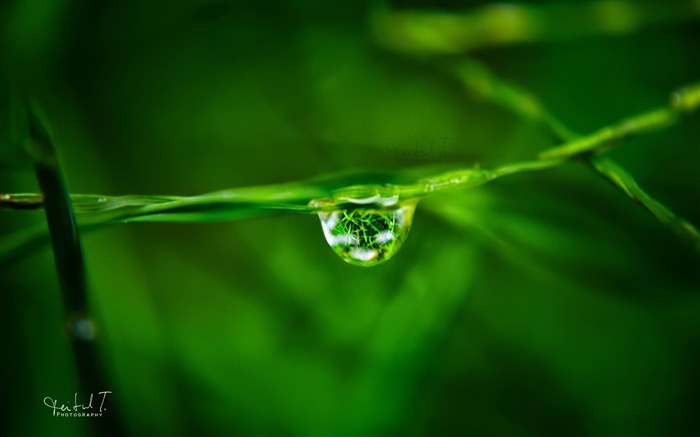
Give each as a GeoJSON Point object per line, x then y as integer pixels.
{"type": "Point", "coordinates": [80, 327]}
{"type": "Point", "coordinates": [366, 233]}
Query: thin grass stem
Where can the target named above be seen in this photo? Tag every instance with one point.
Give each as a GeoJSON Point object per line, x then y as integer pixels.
{"type": "Point", "coordinates": [68, 256]}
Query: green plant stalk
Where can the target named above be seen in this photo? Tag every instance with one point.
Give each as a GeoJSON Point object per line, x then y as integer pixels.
{"type": "Point", "coordinates": [98, 210]}
{"type": "Point", "coordinates": [439, 33]}
{"type": "Point", "coordinates": [478, 79]}
{"type": "Point", "coordinates": [684, 100]}
{"type": "Point", "coordinates": [95, 210]}
{"type": "Point", "coordinates": [608, 137]}
{"type": "Point", "coordinates": [68, 256]}
{"type": "Point", "coordinates": [295, 197]}
{"type": "Point", "coordinates": [255, 201]}
{"type": "Point", "coordinates": [625, 182]}
{"type": "Point", "coordinates": [62, 226]}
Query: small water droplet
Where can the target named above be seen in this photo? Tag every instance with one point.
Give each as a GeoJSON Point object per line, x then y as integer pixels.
{"type": "Point", "coordinates": [366, 233]}
{"type": "Point", "coordinates": [81, 327]}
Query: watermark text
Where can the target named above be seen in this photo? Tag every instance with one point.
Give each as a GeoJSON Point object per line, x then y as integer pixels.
{"type": "Point", "coordinates": [79, 409]}
{"type": "Point", "coordinates": [423, 151]}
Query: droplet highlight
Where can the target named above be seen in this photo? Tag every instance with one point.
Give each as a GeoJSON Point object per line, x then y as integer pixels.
{"type": "Point", "coordinates": [366, 233]}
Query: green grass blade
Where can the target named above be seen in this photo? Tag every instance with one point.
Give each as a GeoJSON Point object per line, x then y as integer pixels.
{"type": "Point", "coordinates": [625, 182]}
{"type": "Point", "coordinates": [62, 226]}
{"type": "Point", "coordinates": [421, 32]}
{"type": "Point", "coordinates": [607, 137]}
{"type": "Point", "coordinates": [68, 256]}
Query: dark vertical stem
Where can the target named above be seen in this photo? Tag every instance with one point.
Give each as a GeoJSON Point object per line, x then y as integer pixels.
{"type": "Point", "coordinates": [68, 256]}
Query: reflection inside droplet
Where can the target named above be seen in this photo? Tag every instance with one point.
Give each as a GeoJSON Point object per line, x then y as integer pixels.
{"type": "Point", "coordinates": [365, 234]}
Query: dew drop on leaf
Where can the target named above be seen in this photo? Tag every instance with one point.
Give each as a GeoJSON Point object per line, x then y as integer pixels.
{"type": "Point", "coordinates": [366, 234]}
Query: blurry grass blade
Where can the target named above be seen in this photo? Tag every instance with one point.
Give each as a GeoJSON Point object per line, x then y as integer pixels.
{"type": "Point", "coordinates": [438, 33]}
{"type": "Point", "coordinates": [68, 256]}
{"type": "Point", "coordinates": [478, 79]}
{"type": "Point", "coordinates": [687, 98]}
{"type": "Point", "coordinates": [65, 239]}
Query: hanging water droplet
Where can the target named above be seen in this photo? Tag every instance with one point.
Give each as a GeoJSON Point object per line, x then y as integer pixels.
{"type": "Point", "coordinates": [366, 232]}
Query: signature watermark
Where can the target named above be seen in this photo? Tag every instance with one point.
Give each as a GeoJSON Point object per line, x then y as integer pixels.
{"type": "Point", "coordinates": [76, 409]}
{"type": "Point", "coordinates": [423, 151]}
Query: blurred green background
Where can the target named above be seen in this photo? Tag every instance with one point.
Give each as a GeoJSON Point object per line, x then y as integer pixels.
{"type": "Point", "coordinates": [540, 304]}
